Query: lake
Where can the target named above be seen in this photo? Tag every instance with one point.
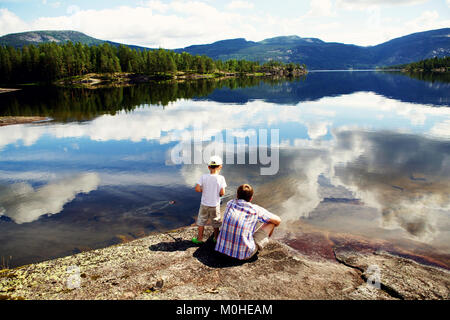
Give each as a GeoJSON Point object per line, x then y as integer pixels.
{"type": "Point", "coordinates": [345, 158]}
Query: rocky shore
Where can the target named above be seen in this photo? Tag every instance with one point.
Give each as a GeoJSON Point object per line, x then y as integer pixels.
{"type": "Point", "coordinates": [168, 266]}
{"type": "Point", "coordinates": [121, 79]}
{"type": "Point", "coordinates": [6, 121]}
{"type": "Point", "coordinates": [3, 90]}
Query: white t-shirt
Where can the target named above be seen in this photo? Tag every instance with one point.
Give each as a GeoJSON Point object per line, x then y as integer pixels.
{"type": "Point", "coordinates": [211, 185]}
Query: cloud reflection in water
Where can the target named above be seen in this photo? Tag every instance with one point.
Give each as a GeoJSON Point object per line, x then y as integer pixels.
{"type": "Point", "coordinates": [374, 147]}
{"type": "Point", "coordinates": [22, 203]}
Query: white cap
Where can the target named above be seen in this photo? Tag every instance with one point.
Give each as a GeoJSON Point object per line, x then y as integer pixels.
{"type": "Point", "coordinates": [215, 161]}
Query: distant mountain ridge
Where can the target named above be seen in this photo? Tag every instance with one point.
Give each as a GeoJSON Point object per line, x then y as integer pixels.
{"type": "Point", "coordinates": [313, 52]}
{"type": "Point", "coordinates": [21, 39]}
{"type": "Point", "coordinates": [317, 54]}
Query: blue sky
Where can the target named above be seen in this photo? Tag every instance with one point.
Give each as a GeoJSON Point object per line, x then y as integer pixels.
{"type": "Point", "coordinates": [179, 23]}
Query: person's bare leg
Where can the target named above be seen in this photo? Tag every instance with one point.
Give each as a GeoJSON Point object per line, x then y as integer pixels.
{"type": "Point", "coordinates": [216, 233]}
{"type": "Point", "coordinates": [268, 228]}
{"type": "Point", "coordinates": [200, 233]}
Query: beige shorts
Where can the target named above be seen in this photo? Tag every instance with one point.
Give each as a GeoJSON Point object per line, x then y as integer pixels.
{"type": "Point", "coordinates": [205, 213]}
{"type": "Point", "coordinates": [260, 237]}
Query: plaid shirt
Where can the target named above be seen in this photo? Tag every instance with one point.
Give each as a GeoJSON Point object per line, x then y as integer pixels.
{"type": "Point", "coordinates": [239, 222]}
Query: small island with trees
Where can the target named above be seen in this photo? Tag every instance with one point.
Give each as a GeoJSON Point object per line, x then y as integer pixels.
{"type": "Point", "coordinates": [428, 65]}
{"type": "Point", "coordinates": [72, 64]}
{"type": "Point", "coordinates": [433, 69]}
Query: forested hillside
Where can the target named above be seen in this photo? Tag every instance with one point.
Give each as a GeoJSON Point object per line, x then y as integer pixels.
{"type": "Point", "coordinates": [427, 65]}
{"type": "Point", "coordinates": [48, 62]}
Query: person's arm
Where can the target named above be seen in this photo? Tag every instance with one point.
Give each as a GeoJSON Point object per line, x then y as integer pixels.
{"type": "Point", "coordinates": [276, 220]}
{"type": "Point", "coordinates": [222, 189]}
{"type": "Point", "coordinates": [198, 186]}
{"type": "Point", "coordinates": [268, 217]}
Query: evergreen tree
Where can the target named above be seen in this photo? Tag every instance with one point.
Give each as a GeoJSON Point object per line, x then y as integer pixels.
{"type": "Point", "coordinates": [50, 61]}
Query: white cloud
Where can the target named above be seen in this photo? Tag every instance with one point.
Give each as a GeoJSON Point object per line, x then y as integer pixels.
{"type": "Point", "coordinates": [240, 5]}
{"type": "Point", "coordinates": [378, 27]}
{"type": "Point", "coordinates": [319, 8]}
{"type": "Point", "coordinates": [157, 5]}
{"type": "Point", "coordinates": [177, 23]}
{"type": "Point", "coordinates": [403, 202]}
{"type": "Point", "coordinates": [363, 4]}
{"type": "Point", "coordinates": [174, 122]}
{"type": "Point", "coordinates": [171, 25]}
{"type": "Point", "coordinates": [317, 129]}
{"type": "Point", "coordinates": [11, 23]}
{"type": "Point", "coordinates": [73, 9]}
{"type": "Point", "coordinates": [354, 160]}
{"type": "Point", "coordinates": [22, 203]}
{"type": "Point", "coordinates": [441, 129]}
{"type": "Point", "coordinates": [426, 21]}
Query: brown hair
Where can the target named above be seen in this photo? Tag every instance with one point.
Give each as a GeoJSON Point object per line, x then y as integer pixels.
{"type": "Point", "coordinates": [245, 192]}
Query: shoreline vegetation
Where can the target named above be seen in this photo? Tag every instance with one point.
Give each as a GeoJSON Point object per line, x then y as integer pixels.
{"type": "Point", "coordinates": [438, 65]}
{"type": "Point", "coordinates": [119, 79]}
{"type": "Point", "coordinates": [67, 64]}
{"type": "Point", "coordinates": [434, 69]}
{"type": "Point", "coordinates": [81, 103]}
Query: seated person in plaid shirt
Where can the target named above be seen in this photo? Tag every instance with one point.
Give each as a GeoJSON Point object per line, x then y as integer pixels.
{"type": "Point", "coordinates": [238, 238]}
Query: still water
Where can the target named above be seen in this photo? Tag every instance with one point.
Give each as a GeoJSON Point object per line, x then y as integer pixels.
{"type": "Point", "coordinates": [363, 154]}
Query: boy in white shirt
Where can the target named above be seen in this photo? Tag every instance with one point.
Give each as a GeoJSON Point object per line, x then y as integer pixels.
{"type": "Point", "coordinates": [212, 187]}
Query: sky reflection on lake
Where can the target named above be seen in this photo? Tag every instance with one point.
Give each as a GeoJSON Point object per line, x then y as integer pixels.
{"type": "Point", "coordinates": [360, 163]}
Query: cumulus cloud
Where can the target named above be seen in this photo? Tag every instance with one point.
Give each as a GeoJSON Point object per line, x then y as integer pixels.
{"type": "Point", "coordinates": [319, 8]}
{"type": "Point", "coordinates": [429, 19]}
{"type": "Point", "coordinates": [14, 134]}
{"type": "Point", "coordinates": [386, 171]}
{"type": "Point", "coordinates": [240, 5]}
{"type": "Point", "coordinates": [175, 122]}
{"type": "Point", "coordinates": [379, 27]}
{"type": "Point", "coordinates": [11, 23]}
{"type": "Point", "coordinates": [404, 176]}
{"type": "Point", "coordinates": [306, 167]}
{"type": "Point", "coordinates": [170, 124]}
{"type": "Point", "coordinates": [23, 203]}
{"type": "Point", "coordinates": [317, 129]}
{"type": "Point", "coordinates": [176, 24]}
{"type": "Point", "coordinates": [157, 5]}
{"type": "Point", "coordinates": [358, 4]}
{"type": "Point", "coordinates": [441, 129]}
{"type": "Point", "coordinates": [154, 24]}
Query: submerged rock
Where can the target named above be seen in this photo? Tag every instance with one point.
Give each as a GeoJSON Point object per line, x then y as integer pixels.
{"type": "Point", "coordinates": [170, 266]}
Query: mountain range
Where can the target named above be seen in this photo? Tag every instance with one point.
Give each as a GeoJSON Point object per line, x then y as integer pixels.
{"type": "Point", "coordinates": [313, 52]}
{"type": "Point", "coordinates": [317, 54]}
{"type": "Point", "coordinates": [21, 39]}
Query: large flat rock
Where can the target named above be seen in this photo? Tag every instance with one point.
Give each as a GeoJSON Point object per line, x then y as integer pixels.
{"type": "Point", "coordinates": [169, 266]}
{"type": "Point", "coordinates": [402, 278]}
